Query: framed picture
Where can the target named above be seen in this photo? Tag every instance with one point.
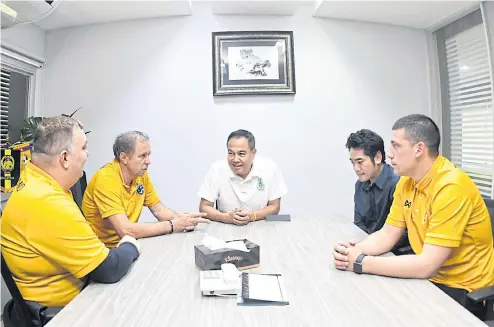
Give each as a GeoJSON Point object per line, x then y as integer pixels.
{"type": "Point", "coordinates": [256, 62]}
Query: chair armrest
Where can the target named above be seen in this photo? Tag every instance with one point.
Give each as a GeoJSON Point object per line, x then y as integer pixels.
{"type": "Point", "coordinates": [403, 250]}
{"type": "Point", "coordinates": [51, 312]}
{"type": "Point", "coordinates": [483, 294]}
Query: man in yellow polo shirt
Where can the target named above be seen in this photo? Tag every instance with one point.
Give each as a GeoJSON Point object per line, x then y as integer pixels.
{"type": "Point", "coordinates": [116, 194]}
{"type": "Point", "coordinates": [49, 247]}
{"type": "Point", "coordinates": [447, 220]}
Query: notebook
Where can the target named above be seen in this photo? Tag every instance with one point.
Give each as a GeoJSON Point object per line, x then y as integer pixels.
{"type": "Point", "coordinates": [262, 289]}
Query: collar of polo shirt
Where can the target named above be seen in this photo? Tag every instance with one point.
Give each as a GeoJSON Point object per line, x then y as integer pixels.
{"type": "Point", "coordinates": [424, 182]}
{"type": "Point", "coordinates": [33, 171]}
{"type": "Point", "coordinates": [254, 172]}
{"type": "Point", "coordinates": [118, 169]}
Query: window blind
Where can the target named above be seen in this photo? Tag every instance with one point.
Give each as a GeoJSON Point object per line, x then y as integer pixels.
{"type": "Point", "coordinates": [4, 105]}
{"type": "Point", "coordinates": [471, 106]}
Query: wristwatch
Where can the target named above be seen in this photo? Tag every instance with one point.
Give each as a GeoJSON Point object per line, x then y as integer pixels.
{"type": "Point", "coordinates": [357, 265]}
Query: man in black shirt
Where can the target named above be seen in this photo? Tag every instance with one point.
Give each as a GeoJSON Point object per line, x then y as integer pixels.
{"type": "Point", "coordinates": [376, 185]}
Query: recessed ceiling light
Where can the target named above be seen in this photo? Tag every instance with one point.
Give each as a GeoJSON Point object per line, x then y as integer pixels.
{"type": "Point", "coordinates": [7, 10]}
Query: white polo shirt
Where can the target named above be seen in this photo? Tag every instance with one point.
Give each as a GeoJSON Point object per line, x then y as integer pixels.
{"type": "Point", "coordinates": [264, 183]}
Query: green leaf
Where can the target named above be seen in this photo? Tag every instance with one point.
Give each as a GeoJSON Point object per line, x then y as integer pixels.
{"type": "Point", "coordinates": [29, 128]}
{"type": "Point", "coordinates": [31, 124]}
{"type": "Point", "coordinates": [72, 114]}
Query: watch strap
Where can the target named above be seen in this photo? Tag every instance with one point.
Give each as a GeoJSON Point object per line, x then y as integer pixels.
{"type": "Point", "coordinates": [357, 266]}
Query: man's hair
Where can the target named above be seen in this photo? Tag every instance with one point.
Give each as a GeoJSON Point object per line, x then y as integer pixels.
{"type": "Point", "coordinates": [243, 133]}
{"type": "Point", "coordinates": [420, 128]}
{"type": "Point", "coordinates": [54, 135]}
{"type": "Point", "coordinates": [368, 141]}
{"type": "Point", "coordinates": [126, 142]}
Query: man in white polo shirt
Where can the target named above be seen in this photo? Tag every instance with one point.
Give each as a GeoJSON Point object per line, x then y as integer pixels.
{"type": "Point", "coordinates": [246, 188]}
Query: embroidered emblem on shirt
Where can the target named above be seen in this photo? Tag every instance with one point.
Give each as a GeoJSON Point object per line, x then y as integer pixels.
{"type": "Point", "coordinates": [140, 189]}
{"type": "Point", "coordinates": [260, 184]}
{"type": "Point", "coordinates": [408, 203]}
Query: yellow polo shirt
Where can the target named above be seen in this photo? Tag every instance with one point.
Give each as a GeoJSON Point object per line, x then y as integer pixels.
{"type": "Point", "coordinates": [446, 209]}
{"type": "Point", "coordinates": [107, 195]}
{"type": "Point", "coordinates": [46, 242]}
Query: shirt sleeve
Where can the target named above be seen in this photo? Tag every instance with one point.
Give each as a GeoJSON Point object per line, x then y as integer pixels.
{"type": "Point", "coordinates": [210, 189]}
{"type": "Point", "coordinates": [357, 218]}
{"type": "Point", "coordinates": [277, 187]}
{"type": "Point", "coordinates": [396, 217]}
{"type": "Point", "coordinates": [450, 211]}
{"type": "Point", "coordinates": [151, 198]}
{"type": "Point", "coordinates": [107, 197]}
{"type": "Point", "coordinates": [70, 242]}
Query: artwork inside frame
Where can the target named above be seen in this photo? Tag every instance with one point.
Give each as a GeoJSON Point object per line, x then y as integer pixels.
{"type": "Point", "coordinates": [253, 62]}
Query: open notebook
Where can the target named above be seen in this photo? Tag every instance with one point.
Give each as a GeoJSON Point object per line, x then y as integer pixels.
{"type": "Point", "coordinates": [262, 289]}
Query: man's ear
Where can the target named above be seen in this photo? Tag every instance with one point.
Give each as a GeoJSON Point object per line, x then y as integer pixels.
{"type": "Point", "coordinates": [419, 149]}
{"type": "Point", "coordinates": [123, 158]}
{"type": "Point", "coordinates": [378, 158]}
{"type": "Point", "coordinates": [63, 159]}
{"type": "Point", "coordinates": [254, 151]}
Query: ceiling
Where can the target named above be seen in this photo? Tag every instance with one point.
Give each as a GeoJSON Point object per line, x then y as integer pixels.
{"type": "Point", "coordinates": [76, 13]}
{"type": "Point", "coordinates": [416, 14]}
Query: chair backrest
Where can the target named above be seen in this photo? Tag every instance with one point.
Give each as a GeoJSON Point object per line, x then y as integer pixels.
{"type": "Point", "coordinates": [490, 207]}
{"type": "Point", "coordinates": [25, 315]}
{"type": "Point", "coordinates": [78, 189]}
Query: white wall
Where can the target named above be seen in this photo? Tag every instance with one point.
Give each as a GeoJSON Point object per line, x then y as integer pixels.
{"type": "Point", "coordinates": [29, 38]}
{"type": "Point", "coordinates": [156, 76]}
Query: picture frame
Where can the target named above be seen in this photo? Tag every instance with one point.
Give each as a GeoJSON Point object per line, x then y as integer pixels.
{"type": "Point", "coordinates": [253, 63]}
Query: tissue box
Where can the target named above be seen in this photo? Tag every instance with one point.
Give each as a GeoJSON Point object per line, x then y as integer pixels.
{"type": "Point", "coordinates": [207, 259]}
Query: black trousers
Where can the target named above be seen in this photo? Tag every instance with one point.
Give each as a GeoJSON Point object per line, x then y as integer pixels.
{"type": "Point", "coordinates": [460, 296]}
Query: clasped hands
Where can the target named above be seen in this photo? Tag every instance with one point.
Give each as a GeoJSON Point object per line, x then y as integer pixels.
{"type": "Point", "coordinates": [345, 254]}
{"type": "Point", "coordinates": [240, 216]}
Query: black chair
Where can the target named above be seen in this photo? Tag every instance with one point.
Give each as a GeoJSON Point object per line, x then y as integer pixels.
{"type": "Point", "coordinates": [486, 294]}
{"type": "Point", "coordinates": [26, 313]}
{"type": "Point", "coordinates": [78, 190]}
{"type": "Point", "coordinates": [9, 320]}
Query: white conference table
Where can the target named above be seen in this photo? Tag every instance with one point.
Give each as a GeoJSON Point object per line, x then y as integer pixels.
{"type": "Point", "coordinates": [162, 287]}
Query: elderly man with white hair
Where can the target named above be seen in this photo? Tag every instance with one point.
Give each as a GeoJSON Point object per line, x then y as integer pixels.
{"type": "Point", "coordinates": [117, 193]}
{"type": "Point", "coordinates": [47, 243]}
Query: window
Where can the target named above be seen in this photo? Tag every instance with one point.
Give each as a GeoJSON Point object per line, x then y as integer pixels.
{"type": "Point", "coordinates": [14, 104]}
{"type": "Point", "coordinates": [4, 102]}
{"type": "Point", "coordinates": [466, 87]}
{"type": "Point", "coordinates": [18, 81]}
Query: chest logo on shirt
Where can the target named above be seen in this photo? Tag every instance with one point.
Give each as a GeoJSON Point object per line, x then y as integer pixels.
{"type": "Point", "coordinates": [140, 189]}
{"type": "Point", "coordinates": [408, 204]}
{"type": "Point", "coordinates": [260, 184]}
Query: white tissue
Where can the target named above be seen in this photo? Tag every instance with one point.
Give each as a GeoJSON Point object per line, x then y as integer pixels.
{"type": "Point", "coordinates": [214, 243]}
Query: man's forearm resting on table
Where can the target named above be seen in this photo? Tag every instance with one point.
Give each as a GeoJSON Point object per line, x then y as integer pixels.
{"type": "Point", "coordinates": [381, 241]}
{"type": "Point", "coordinates": [273, 208]}
{"type": "Point", "coordinates": [212, 212]}
{"type": "Point", "coordinates": [124, 227]}
{"type": "Point", "coordinates": [162, 212]}
{"type": "Point", "coordinates": [424, 265]}
{"type": "Point", "coordinates": [116, 264]}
